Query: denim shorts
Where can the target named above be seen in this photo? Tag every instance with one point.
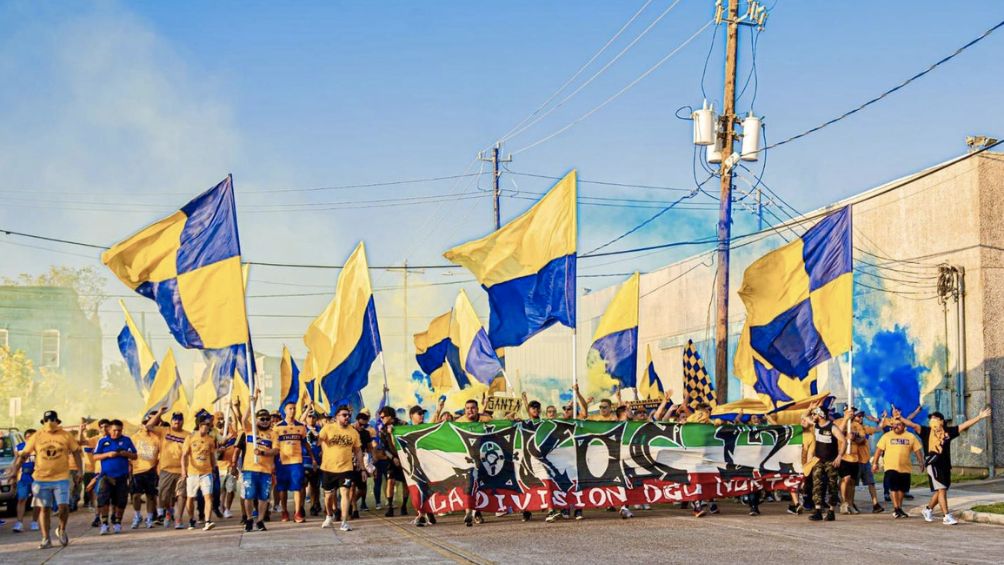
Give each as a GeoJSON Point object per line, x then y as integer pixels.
{"type": "Point", "coordinates": [50, 493]}
{"type": "Point", "coordinates": [289, 478]}
{"type": "Point", "coordinates": [24, 487]}
{"type": "Point", "coordinates": [257, 485]}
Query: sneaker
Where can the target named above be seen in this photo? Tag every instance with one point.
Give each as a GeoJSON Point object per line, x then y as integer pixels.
{"type": "Point", "coordinates": [646, 506]}
{"type": "Point", "coordinates": [46, 544]}
{"type": "Point", "coordinates": [419, 522]}
{"type": "Point", "coordinates": [754, 511]}
{"type": "Point", "coordinates": [378, 506]}
{"type": "Point", "coordinates": [260, 526]}
{"type": "Point", "coordinates": [468, 519]}
{"type": "Point", "coordinates": [209, 525]}
{"type": "Point", "coordinates": [62, 537]}
{"type": "Point", "coordinates": [897, 513]}
{"type": "Point", "coordinates": [96, 521]}
{"type": "Point", "coordinates": [565, 514]}
{"type": "Point", "coordinates": [149, 523]}
{"type": "Point", "coordinates": [431, 518]}
{"type": "Point", "coordinates": [285, 516]}
{"type": "Point", "coordinates": [854, 509]}
{"type": "Point", "coordinates": [159, 520]}
{"type": "Point", "coordinates": [404, 510]}
{"type": "Point", "coordinates": [298, 517]}
{"type": "Point", "coordinates": [527, 516]}
{"type": "Point", "coordinates": [844, 509]}
{"type": "Point", "coordinates": [887, 498]}
{"type": "Point", "coordinates": [949, 520]}
{"type": "Point", "coordinates": [327, 522]}
{"type": "Point", "coordinates": [191, 524]}
{"type": "Point", "coordinates": [227, 514]}
{"type": "Point", "coordinates": [830, 516]}
{"type": "Point", "coordinates": [168, 523]}
{"type": "Point", "coordinates": [104, 530]}
{"type": "Point", "coordinates": [338, 515]}
{"type": "Point", "coordinates": [180, 526]}
{"type": "Point", "coordinates": [478, 518]}
{"type": "Point", "coordinates": [248, 525]}
{"type": "Point", "coordinates": [355, 514]}
{"type": "Point", "coordinates": [877, 508]}
{"type": "Point", "coordinates": [18, 527]}
{"type": "Point", "coordinates": [390, 512]}
{"type": "Point", "coordinates": [552, 516]}
{"type": "Point", "coordinates": [792, 509]}
{"type": "Point", "coordinates": [363, 507]}
{"type": "Point", "coordinates": [502, 513]}
{"type": "Point", "coordinates": [578, 515]}
{"type": "Point", "coordinates": [345, 527]}
{"type": "Point", "coordinates": [700, 510]}
{"type": "Point", "coordinates": [626, 513]}
{"type": "Point", "coordinates": [116, 528]}
{"type": "Point", "coordinates": [135, 522]}
{"type": "Point", "coordinates": [816, 516]}
{"type": "Point", "coordinates": [928, 514]}
{"type": "Point", "coordinates": [713, 508]}
{"type": "Point", "coordinates": [34, 526]}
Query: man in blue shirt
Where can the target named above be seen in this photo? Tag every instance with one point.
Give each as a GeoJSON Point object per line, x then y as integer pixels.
{"type": "Point", "coordinates": [114, 451]}
{"type": "Point", "coordinates": [24, 481]}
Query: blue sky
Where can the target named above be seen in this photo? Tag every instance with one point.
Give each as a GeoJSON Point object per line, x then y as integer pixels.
{"type": "Point", "coordinates": [114, 113]}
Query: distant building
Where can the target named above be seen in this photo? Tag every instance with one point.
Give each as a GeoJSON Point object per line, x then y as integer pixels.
{"type": "Point", "coordinates": [48, 324]}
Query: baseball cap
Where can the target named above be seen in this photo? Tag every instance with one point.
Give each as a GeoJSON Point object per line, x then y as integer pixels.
{"type": "Point", "coordinates": [365, 411]}
{"type": "Point", "coordinates": [263, 414]}
{"type": "Point", "coordinates": [534, 404]}
{"type": "Point", "coordinates": [388, 411]}
{"type": "Point", "coordinates": [364, 416]}
{"type": "Point", "coordinates": [416, 409]}
{"type": "Point", "coordinates": [51, 416]}
{"type": "Point", "coordinates": [178, 416]}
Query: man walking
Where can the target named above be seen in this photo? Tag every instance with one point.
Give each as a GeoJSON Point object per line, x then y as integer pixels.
{"type": "Point", "coordinates": [144, 474]}
{"type": "Point", "coordinates": [198, 458]}
{"type": "Point", "coordinates": [113, 452]}
{"type": "Point", "coordinates": [289, 473]}
{"type": "Point", "coordinates": [171, 489]}
{"type": "Point", "coordinates": [829, 447]}
{"type": "Point", "coordinates": [24, 482]}
{"type": "Point", "coordinates": [937, 438]}
{"type": "Point", "coordinates": [340, 454]}
{"type": "Point", "coordinates": [259, 465]}
{"type": "Point", "coordinates": [894, 449]}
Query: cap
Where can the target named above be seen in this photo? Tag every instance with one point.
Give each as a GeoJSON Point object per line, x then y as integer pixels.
{"type": "Point", "coordinates": [459, 412]}
{"type": "Point", "coordinates": [388, 411]}
{"type": "Point", "coordinates": [205, 419]}
{"type": "Point", "coordinates": [566, 407]}
{"type": "Point", "coordinates": [416, 409]}
{"type": "Point", "coordinates": [203, 413]}
{"type": "Point", "coordinates": [365, 411]}
{"type": "Point", "coordinates": [51, 416]}
{"type": "Point", "coordinates": [178, 416]}
{"type": "Point", "coordinates": [936, 414]}
{"type": "Point", "coordinates": [365, 416]}
{"type": "Point", "coordinates": [534, 404]}
{"type": "Point", "coordinates": [262, 414]}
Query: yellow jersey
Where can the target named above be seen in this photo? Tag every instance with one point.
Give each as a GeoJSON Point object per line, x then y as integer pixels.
{"type": "Point", "coordinates": [53, 448]}
{"type": "Point", "coordinates": [171, 443]}
{"type": "Point", "coordinates": [337, 446]}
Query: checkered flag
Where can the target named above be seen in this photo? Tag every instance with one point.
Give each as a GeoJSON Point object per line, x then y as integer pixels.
{"type": "Point", "coordinates": [697, 385]}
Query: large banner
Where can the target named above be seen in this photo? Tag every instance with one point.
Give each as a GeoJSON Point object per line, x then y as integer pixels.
{"type": "Point", "coordinates": [534, 465]}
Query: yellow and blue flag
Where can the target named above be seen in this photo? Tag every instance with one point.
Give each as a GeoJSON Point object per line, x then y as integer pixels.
{"type": "Point", "coordinates": [616, 337]}
{"type": "Point", "coordinates": [434, 352]}
{"type": "Point", "coordinates": [697, 385]}
{"type": "Point", "coordinates": [138, 356]}
{"type": "Point", "coordinates": [771, 385]}
{"type": "Point", "coordinates": [650, 385]}
{"type": "Point", "coordinates": [204, 395]}
{"type": "Point", "coordinates": [799, 298]}
{"type": "Point", "coordinates": [476, 356]}
{"type": "Point", "coordinates": [344, 340]}
{"type": "Point", "coordinates": [289, 381]}
{"type": "Point", "coordinates": [528, 267]}
{"type": "Point", "coordinates": [167, 390]}
{"type": "Point", "coordinates": [190, 265]}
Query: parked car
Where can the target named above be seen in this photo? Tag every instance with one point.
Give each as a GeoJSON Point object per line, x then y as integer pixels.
{"type": "Point", "coordinates": [9, 438]}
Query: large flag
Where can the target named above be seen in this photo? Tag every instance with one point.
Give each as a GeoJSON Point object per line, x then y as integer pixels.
{"type": "Point", "coordinates": [344, 340]}
{"type": "Point", "coordinates": [204, 395]}
{"type": "Point", "coordinates": [616, 337]}
{"type": "Point", "coordinates": [138, 355]}
{"type": "Point", "coordinates": [799, 299]}
{"type": "Point", "coordinates": [289, 381]}
{"type": "Point", "coordinates": [528, 267]}
{"type": "Point", "coordinates": [697, 385]}
{"type": "Point", "coordinates": [189, 263]}
{"type": "Point", "coordinates": [650, 385]}
{"type": "Point", "coordinates": [477, 358]}
{"type": "Point", "coordinates": [434, 350]}
{"type": "Point", "coordinates": [771, 385]}
{"type": "Point", "coordinates": [167, 390]}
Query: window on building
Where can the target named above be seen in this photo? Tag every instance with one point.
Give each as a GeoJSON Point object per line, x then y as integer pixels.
{"type": "Point", "coordinates": [3, 338]}
{"type": "Point", "coordinates": [50, 349]}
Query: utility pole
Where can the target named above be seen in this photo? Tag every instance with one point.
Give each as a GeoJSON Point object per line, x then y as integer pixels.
{"type": "Point", "coordinates": [405, 341]}
{"type": "Point", "coordinates": [495, 160]}
{"type": "Point", "coordinates": [729, 158]}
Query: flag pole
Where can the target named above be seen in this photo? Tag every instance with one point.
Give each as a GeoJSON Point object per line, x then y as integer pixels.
{"type": "Point", "coordinates": [386, 389]}
{"type": "Point", "coordinates": [229, 403]}
{"type": "Point", "coordinates": [575, 378]}
{"type": "Point", "coordinates": [253, 391]}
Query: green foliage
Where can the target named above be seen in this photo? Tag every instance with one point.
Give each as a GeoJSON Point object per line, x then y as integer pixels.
{"type": "Point", "coordinates": [997, 508]}
{"type": "Point", "coordinates": [86, 281]}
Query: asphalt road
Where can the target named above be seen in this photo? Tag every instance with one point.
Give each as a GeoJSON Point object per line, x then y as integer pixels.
{"type": "Point", "coordinates": [664, 535]}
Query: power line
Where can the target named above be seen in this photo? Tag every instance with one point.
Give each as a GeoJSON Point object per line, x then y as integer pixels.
{"type": "Point", "coordinates": [604, 183]}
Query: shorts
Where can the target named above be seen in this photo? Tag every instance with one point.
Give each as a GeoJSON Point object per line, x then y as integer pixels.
{"type": "Point", "coordinates": [289, 478]}
{"type": "Point", "coordinates": [228, 482]}
{"type": "Point", "coordinates": [24, 487]}
{"type": "Point", "coordinates": [113, 491]}
{"type": "Point", "coordinates": [357, 480]}
{"type": "Point", "coordinates": [939, 478]}
{"type": "Point", "coordinates": [311, 476]}
{"type": "Point", "coordinates": [50, 493]}
{"type": "Point", "coordinates": [334, 481]}
{"type": "Point", "coordinates": [865, 475]}
{"type": "Point", "coordinates": [170, 487]}
{"type": "Point", "coordinates": [145, 483]}
{"type": "Point", "coordinates": [898, 482]}
{"type": "Point", "coordinates": [848, 469]}
{"type": "Point", "coordinates": [257, 485]}
{"type": "Point", "coordinates": [195, 483]}
{"type": "Point", "coordinates": [395, 473]}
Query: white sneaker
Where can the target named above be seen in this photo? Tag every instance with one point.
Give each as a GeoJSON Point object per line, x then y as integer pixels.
{"type": "Point", "coordinates": [34, 526]}
{"type": "Point", "coordinates": [149, 522]}
{"type": "Point", "coordinates": [844, 509]}
{"type": "Point", "coordinates": [135, 522]}
{"type": "Point", "coordinates": [117, 528]}
{"type": "Point", "coordinates": [209, 525]}
{"type": "Point", "coordinates": [928, 514]}
{"type": "Point", "coordinates": [18, 527]}
{"type": "Point", "coordinates": [626, 513]}
{"type": "Point", "coordinates": [378, 506]}
{"type": "Point", "coordinates": [345, 527]}
{"type": "Point", "coordinates": [180, 526]}
{"type": "Point", "coordinates": [104, 530]}
{"type": "Point", "coordinates": [327, 522]}
{"type": "Point", "coordinates": [227, 514]}
{"type": "Point", "coordinates": [949, 520]}
{"type": "Point", "coordinates": [646, 506]}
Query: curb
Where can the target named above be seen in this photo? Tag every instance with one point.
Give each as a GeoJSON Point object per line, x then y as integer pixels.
{"type": "Point", "coordinates": [982, 517]}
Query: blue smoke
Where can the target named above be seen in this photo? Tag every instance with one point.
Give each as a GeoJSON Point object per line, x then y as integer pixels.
{"type": "Point", "coordinates": [886, 371]}
{"type": "Point", "coordinates": [420, 377]}
{"type": "Point", "coordinates": [565, 396]}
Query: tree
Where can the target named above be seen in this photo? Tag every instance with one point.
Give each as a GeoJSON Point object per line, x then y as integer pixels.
{"type": "Point", "coordinates": [87, 282]}
{"type": "Point", "coordinates": [16, 371]}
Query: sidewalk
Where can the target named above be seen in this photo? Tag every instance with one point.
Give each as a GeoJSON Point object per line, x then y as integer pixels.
{"type": "Point", "coordinates": [962, 497]}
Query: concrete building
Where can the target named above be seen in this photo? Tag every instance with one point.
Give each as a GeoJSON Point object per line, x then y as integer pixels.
{"type": "Point", "coordinates": [929, 285]}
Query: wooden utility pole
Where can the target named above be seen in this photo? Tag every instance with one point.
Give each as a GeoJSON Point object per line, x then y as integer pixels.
{"type": "Point", "coordinates": [495, 160]}
{"type": "Point", "coordinates": [727, 131]}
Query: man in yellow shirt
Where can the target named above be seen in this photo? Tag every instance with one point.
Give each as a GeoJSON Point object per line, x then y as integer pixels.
{"type": "Point", "coordinates": [259, 464]}
{"type": "Point", "coordinates": [292, 437]}
{"type": "Point", "coordinates": [894, 449]}
{"type": "Point", "coordinates": [171, 487]}
{"type": "Point", "coordinates": [144, 474]}
{"type": "Point", "coordinates": [53, 448]}
{"type": "Point", "coordinates": [198, 458]}
{"type": "Point", "coordinates": [341, 453]}
{"type": "Point", "coordinates": [228, 472]}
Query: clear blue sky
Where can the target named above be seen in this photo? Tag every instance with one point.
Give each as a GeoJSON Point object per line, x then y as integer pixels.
{"type": "Point", "coordinates": [113, 113]}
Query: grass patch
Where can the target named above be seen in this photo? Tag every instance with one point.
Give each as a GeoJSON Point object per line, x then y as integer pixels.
{"type": "Point", "coordinates": [997, 508]}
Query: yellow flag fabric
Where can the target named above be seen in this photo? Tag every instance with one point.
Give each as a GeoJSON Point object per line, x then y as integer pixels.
{"type": "Point", "coordinates": [432, 350]}
{"type": "Point", "coordinates": [138, 355]}
{"type": "Point", "coordinates": [204, 395]}
{"type": "Point", "coordinates": [167, 389]}
{"type": "Point", "coordinates": [477, 358]}
{"type": "Point", "coordinates": [616, 337]}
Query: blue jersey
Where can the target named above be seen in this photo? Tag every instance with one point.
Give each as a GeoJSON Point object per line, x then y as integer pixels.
{"type": "Point", "coordinates": [28, 467]}
{"type": "Point", "coordinates": [115, 467]}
